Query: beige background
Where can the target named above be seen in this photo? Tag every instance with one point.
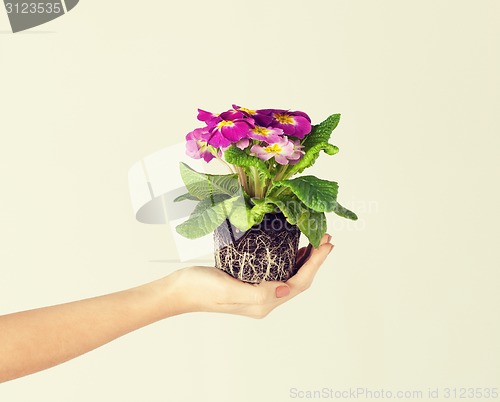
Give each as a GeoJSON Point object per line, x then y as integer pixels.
{"type": "Point", "coordinates": [410, 297]}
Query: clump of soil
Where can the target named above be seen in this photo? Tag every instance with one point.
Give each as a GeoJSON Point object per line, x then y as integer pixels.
{"type": "Point", "coordinates": [265, 252]}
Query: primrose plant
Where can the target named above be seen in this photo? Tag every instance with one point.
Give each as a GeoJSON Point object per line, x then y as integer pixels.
{"type": "Point", "coordinates": [263, 150]}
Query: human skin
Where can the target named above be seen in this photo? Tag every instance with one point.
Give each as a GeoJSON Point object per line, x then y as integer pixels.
{"type": "Point", "coordinates": [35, 340]}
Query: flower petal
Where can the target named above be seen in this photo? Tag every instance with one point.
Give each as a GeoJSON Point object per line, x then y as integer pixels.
{"type": "Point", "coordinates": [203, 115]}
{"type": "Point", "coordinates": [281, 159]}
{"type": "Point", "coordinates": [302, 126]}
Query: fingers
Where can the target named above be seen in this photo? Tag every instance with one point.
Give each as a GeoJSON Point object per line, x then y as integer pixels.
{"type": "Point", "coordinates": [302, 257]}
{"type": "Point", "coordinates": [282, 291]}
{"type": "Point", "coordinates": [258, 300]}
{"type": "Point", "coordinates": [304, 277]}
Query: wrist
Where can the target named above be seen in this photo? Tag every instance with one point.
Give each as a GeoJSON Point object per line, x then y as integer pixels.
{"type": "Point", "coordinates": [167, 295]}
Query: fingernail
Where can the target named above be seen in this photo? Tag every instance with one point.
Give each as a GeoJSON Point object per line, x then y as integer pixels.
{"type": "Point", "coordinates": [331, 248]}
{"type": "Point", "coordinates": [329, 238]}
{"type": "Point", "coordinates": [282, 291]}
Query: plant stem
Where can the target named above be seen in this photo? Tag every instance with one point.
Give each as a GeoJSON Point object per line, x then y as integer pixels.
{"type": "Point", "coordinates": [257, 185]}
{"type": "Point", "coordinates": [278, 192]}
{"type": "Point", "coordinates": [225, 163]}
{"type": "Point", "coordinates": [281, 172]}
{"type": "Point", "coordinates": [242, 179]}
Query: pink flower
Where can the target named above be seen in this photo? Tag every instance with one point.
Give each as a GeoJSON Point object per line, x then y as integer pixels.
{"type": "Point", "coordinates": [282, 151]}
{"type": "Point", "coordinates": [196, 147]}
{"type": "Point", "coordinates": [227, 128]}
{"type": "Point", "coordinates": [295, 124]}
{"type": "Point", "coordinates": [242, 144]}
{"type": "Point", "coordinates": [269, 135]}
{"type": "Point", "coordinates": [298, 153]}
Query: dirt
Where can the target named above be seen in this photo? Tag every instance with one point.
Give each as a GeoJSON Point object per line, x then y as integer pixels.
{"type": "Point", "coordinates": [266, 252]}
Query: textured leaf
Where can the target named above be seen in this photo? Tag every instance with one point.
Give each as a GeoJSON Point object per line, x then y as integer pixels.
{"type": "Point", "coordinates": [244, 217]}
{"type": "Point", "coordinates": [209, 202]}
{"type": "Point", "coordinates": [311, 223]}
{"type": "Point", "coordinates": [319, 195]}
{"type": "Point", "coordinates": [321, 133]}
{"type": "Point", "coordinates": [344, 212]}
{"type": "Point", "coordinates": [310, 157]}
{"type": "Point", "coordinates": [238, 157]}
{"type": "Point", "coordinates": [291, 207]}
{"type": "Point", "coordinates": [207, 216]}
{"type": "Point", "coordinates": [315, 142]}
{"type": "Point", "coordinates": [186, 196]}
{"type": "Point", "coordinates": [201, 185]}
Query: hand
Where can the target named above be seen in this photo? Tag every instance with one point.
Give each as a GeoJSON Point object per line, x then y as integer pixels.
{"type": "Point", "coordinates": [34, 340]}
{"type": "Point", "coordinates": [210, 289]}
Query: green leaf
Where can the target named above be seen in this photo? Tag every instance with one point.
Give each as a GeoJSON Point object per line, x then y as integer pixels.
{"type": "Point", "coordinates": [207, 216]}
{"type": "Point", "coordinates": [321, 133]}
{"type": "Point", "coordinates": [209, 202]}
{"type": "Point", "coordinates": [244, 217]}
{"type": "Point", "coordinates": [319, 195]}
{"type": "Point", "coordinates": [258, 211]}
{"type": "Point", "coordinates": [201, 185]}
{"type": "Point", "coordinates": [310, 157]}
{"type": "Point", "coordinates": [186, 196]}
{"type": "Point", "coordinates": [344, 212]}
{"type": "Point", "coordinates": [311, 223]}
{"type": "Point", "coordinates": [315, 142]}
{"type": "Point", "coordinates": [291, 207]}
{"type": "Point", "coordinates": [238, 157]}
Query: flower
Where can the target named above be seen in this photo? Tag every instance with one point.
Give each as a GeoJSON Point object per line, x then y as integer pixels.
{"type": "Point", "coordinates": [269, 135]}
{"type": "Point", "coordinates": [261, 119]}
{"type": "Point", "coordinates": [242, 144]}
{"type": "Point", "coordinates": [298, 153]}
{"type": "Point", "coordinates": [295, 124]}
{"type": "Point", "coordinates": [227, 128]}
{"type": "Point", "coordinates": [205, 116]}
{"type": "Point", "coordinates": [282, 151]}
{"type": "Point", "coordinates": [245, 111]}
{"type": "Point", "coordinates": [196, 147]}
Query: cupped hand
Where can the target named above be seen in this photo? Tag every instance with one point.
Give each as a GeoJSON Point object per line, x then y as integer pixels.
{"type": "Point", "coordinates": [212, 290]}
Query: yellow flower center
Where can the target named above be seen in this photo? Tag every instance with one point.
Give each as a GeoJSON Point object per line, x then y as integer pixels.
{"type": "Point", "coordinates": [261, 131]}
{"type": "Point", "coordinates": [273, 148]}
{"type": "Point", "coordinates": [284, 118]}
{"type": "Point", "coordinates": [225, 123]}
{"type": "Point", "coordinates": [249, 111]}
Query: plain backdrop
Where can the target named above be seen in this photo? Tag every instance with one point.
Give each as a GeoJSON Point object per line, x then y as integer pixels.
{"type": "Point", "coordinates": [408, 300]}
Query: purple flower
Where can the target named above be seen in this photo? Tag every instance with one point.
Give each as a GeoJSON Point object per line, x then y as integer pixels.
{"type": "Point", "coordinates": [227, 128]}
{"type": "Point", "coordinates": [269, 135]}
{"type": "Point", "coordinates": [282, 151]}
{"type": "Point", "coordinates": [196, 147]}
{"type": "Point", "coordinates": [261, 119]}
{"type": "Point", "coordinates": [245, 111]}
{"type": "Point", "coordinates": [205, 116]}
{"type": "Point", "coordinates": [296, 124]}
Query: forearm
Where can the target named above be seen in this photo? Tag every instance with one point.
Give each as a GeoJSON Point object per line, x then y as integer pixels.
{"type": "Point", "coordinates": [34, 340]}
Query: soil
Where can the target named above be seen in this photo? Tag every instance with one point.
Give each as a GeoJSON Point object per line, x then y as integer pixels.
{"type": "Point", "coordinates": [266, 252]}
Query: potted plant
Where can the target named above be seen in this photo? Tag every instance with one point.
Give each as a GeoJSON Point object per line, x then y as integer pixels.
{"type": "Point", "coordinates": [259, 209]}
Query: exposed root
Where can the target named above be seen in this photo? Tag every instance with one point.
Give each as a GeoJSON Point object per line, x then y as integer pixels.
{"type": "Point", "coordinates": [266, 252]}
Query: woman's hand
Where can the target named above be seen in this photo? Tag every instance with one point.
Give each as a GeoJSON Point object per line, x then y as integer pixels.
{"type": "Point", "coordinates": [37, 339]}
{"type": "Point", "coordinates": [210, 289]}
